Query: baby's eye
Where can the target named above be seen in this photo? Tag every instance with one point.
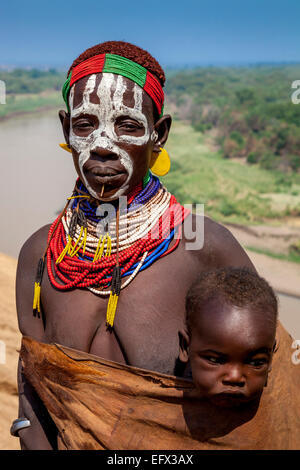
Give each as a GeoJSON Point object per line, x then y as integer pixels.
{"type": "Point", "coordinates": [258, 362]}
{"type": "Point", "coordinates": [214, 359]}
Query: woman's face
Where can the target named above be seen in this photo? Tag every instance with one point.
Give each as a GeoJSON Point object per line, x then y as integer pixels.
{"type": "Point", "coordinates": [112, 133]}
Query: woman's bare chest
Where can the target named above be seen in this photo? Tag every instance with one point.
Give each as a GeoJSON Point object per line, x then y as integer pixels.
{"type": "Point", "coordinates": [149, 313]}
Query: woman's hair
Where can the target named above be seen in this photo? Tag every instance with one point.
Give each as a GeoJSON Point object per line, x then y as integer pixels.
{"type": "Point", "coordinates": [238, 287]}
{"type": "Point", "coordinates": [124, 49]}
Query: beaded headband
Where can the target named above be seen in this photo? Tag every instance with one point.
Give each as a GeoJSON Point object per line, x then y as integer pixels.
{"type": "Point", "coordinates": [112, 63]}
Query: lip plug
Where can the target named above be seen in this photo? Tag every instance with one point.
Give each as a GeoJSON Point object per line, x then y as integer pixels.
{"type": "Point", "coordinates": [102, 191]}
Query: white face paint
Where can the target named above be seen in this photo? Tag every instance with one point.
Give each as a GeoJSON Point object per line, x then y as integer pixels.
{"type": "Point", "coordinates": [109, 109]}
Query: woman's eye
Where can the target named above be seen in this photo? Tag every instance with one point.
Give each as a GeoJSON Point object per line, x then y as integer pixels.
{"type": "Point", "coordinates": [80, 125]}
{"type": "Point", "coordinates": [129, 126]}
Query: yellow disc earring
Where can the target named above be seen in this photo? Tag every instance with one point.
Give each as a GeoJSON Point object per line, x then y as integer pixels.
{"type": "Point", "coordinates": [160, 162]}
{"type": "Point", "coordinates": [65, 147]}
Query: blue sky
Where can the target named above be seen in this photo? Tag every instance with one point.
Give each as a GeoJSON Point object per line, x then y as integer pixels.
{"type": "Point", "coordinates": [218, 32]}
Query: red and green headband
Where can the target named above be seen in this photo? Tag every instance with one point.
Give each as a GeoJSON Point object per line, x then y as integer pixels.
{"type": "Point", "coordinates": [112, 63]}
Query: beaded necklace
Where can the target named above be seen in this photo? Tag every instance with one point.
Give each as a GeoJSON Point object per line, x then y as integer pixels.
{"type": "Point", "coordinates": [102, 254]}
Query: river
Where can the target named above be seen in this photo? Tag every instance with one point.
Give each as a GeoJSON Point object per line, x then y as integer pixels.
{"type": "Point", "coordinates": [37, 176]}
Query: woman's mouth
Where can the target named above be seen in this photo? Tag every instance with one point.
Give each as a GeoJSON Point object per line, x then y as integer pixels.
{"type": "Point", "coordinates": [108, 176]}
{"type": "Point", "coordinates": [105, 181]}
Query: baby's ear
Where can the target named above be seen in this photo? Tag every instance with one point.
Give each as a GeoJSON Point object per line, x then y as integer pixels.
{"type": "Point", "coordinates": [184, 341]}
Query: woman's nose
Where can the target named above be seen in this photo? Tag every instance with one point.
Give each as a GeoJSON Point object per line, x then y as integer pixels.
{"type": "Point", "coordinates": [101, 153]}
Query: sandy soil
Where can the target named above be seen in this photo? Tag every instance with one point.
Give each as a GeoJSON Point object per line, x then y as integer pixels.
{"type": "Point", "coordinates": [9, 333]}
{"type": "Point", "coordinates": [283, 276]}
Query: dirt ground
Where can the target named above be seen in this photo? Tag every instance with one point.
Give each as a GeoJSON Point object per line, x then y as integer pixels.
{"type": "Point", "coordinates": [10, 335]}
{"type": "Point", "coordinates": [283, 276]}
{"type": "Point", "coordinates": [276, 240]}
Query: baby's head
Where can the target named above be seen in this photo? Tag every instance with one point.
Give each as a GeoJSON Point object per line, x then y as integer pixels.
{"type": "Point", "coordinates": [231, 318]}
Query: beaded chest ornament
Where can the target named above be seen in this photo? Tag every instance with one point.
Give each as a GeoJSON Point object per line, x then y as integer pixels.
{"type": "Point", "coordinates": [82, 252]}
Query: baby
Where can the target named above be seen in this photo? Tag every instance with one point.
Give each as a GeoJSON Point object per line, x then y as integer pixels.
{"type": "Point", "coordinates": [229, 339]}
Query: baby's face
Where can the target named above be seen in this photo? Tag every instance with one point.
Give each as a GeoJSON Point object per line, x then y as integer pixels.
{"type": "Point", "coordinates": [231, 352]}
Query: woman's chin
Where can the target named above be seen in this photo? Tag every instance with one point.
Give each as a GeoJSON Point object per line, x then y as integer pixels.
{"type": "Point", "coordinates": [107, 190]}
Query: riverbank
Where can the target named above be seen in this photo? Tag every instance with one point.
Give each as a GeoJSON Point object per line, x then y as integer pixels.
{"type": "Point", "coordinates": [274, 241]}
{"type": "Point", "coordinates": [32, 112]}
{"type": "Point", "coordinates": [27, 104]}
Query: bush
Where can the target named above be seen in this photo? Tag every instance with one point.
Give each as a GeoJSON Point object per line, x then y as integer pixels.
{"type": "Point", "coordinates": [237, 137]}
{"type": "Point", "coordinates": [281, 139]}
{"type": "Point", "coordinates": [284, 180]}
{"type": "Point", "coordinates": [269, 161]}
{"type": "Point", "coordinates": [295, 248]}
{"type": "Point", "coordinates": [230, 148]}
{"type": "Point", "coordinates": [211, 115]}
{"type": "Point", "coordinates": [202, 127]}
{"type": "Point", "coordinates": [199, 127]}
{"type": "Point", "coordinates": [294, 161]}
{"type": "Point", "coordinates": [252, 158]}
{"type": "Point", "coordinates": [245, 95]}
{"type": "Point", "coordinates": [227, 208]}
{"type": "Point", "coordinates": [256, 121]}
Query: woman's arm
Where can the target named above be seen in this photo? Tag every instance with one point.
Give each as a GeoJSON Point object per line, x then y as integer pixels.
{"type": "Point", "coordinates": [42, 433]}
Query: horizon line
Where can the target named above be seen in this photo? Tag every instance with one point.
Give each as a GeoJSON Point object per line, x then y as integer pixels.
{"type": "Point", "coordinates": [217, 64]}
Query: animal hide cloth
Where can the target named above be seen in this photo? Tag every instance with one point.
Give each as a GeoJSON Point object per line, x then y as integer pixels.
{"type": "Point", "coordinates": [99, 404]}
